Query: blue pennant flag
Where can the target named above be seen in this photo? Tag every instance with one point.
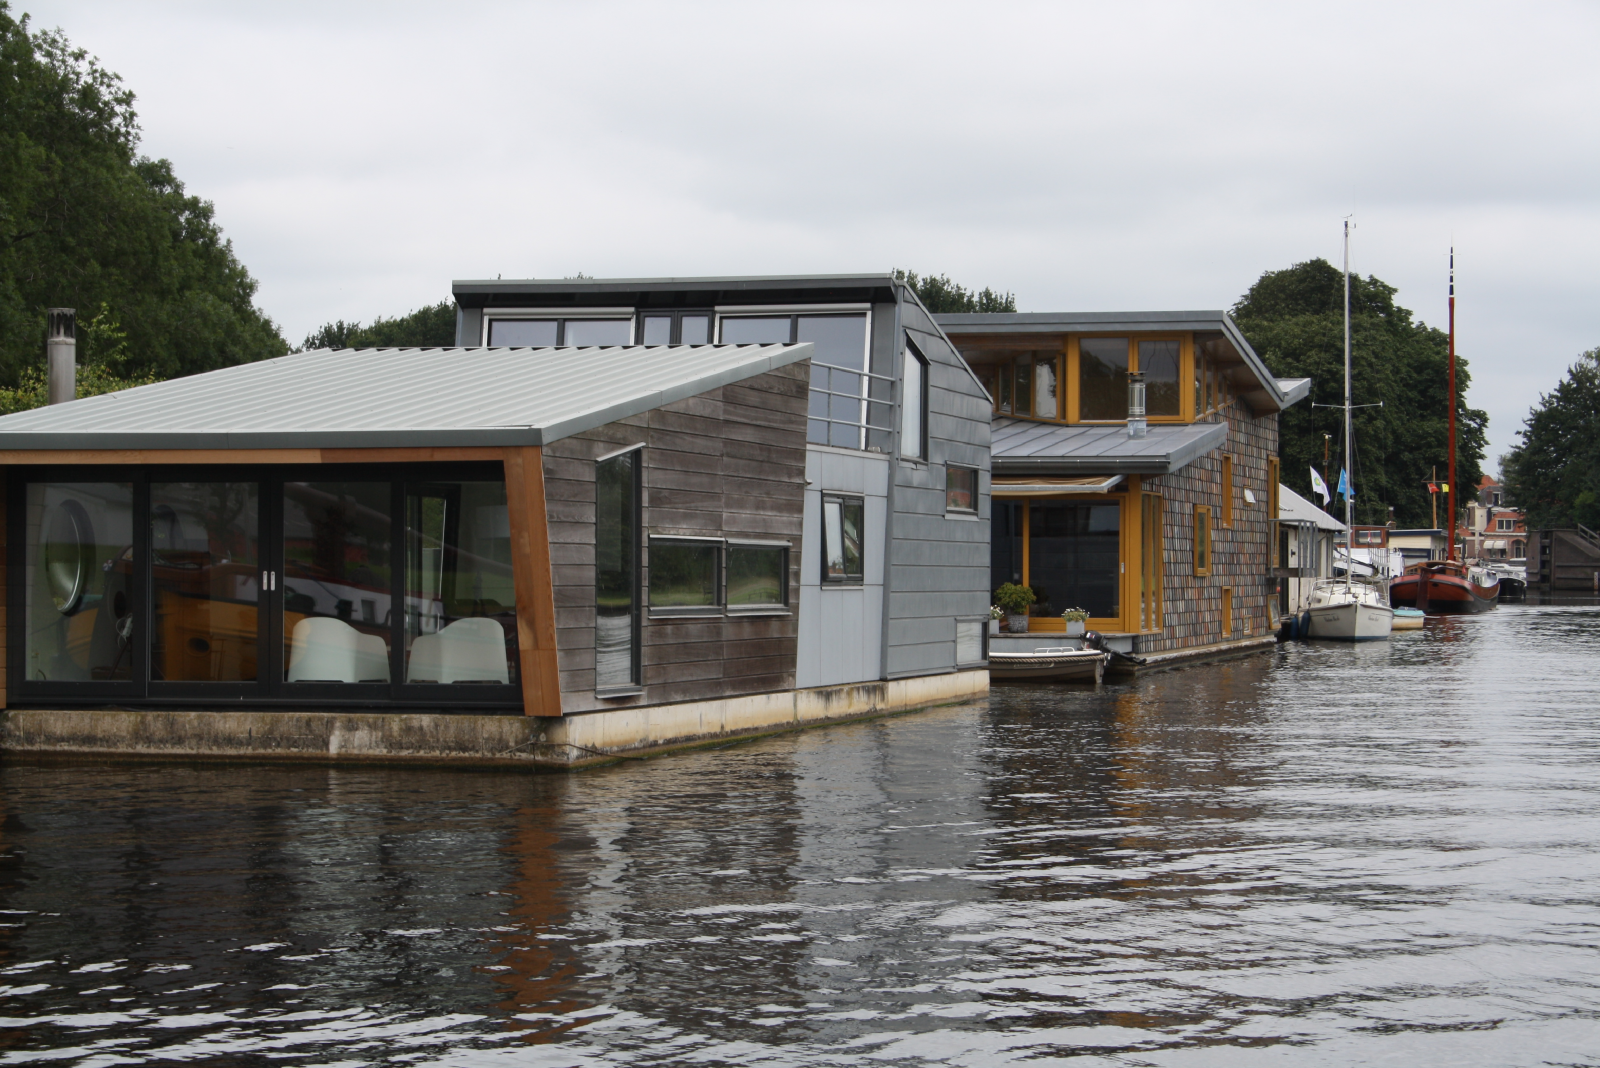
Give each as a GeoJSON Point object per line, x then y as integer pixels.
{"type": "Point", "coordinates": [1344, 486]}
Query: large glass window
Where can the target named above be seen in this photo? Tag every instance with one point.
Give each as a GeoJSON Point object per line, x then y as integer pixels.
{"type": "Point", "coordinates": [524, 331]}
{"type": "Point", "coordinates": [842, 526]}
{"type": "Point", "coordinates": [78, 588]}
{"type": "Point", "coordinates": [556, 331]}
{"type": "Point", "coordinates": [1103, 378]}
{"type": "Point", "coordinates": [336, 581]}
{"type": "Point", "coordinates": [1046, 391]}
{"type": "Point", "coordinates": [205, 571]}
{"type": "Point", "coordinates": [1159, 363]}
{"type": "Point", "coordinates": [597, 332]}
{"type": "Point", "coordinates": [1074, 557]}
{"type": "Point", "coordinates": [758, 575]}
{"type": "Point", "coordinates": [616, 571]}
{"type": "Point", "coordinates": [460, 598]}
{"type": "Point", "coordinates": [685, 574]}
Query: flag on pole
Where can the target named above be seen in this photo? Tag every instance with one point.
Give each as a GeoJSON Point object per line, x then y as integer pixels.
{"type": "Point", "coordinates": [1344, 486]}
{"type": "Point", "coordinates": [1320, 487]}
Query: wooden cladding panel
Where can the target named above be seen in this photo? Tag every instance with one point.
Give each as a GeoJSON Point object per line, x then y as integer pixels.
{"type": "Point", "coordinates": [531, 573]}
{"type": "Point", "coordinates": [727, 463]}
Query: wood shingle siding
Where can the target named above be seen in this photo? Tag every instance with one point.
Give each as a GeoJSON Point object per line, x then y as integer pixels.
{"type": "Point", "coordinates": [727, 463]}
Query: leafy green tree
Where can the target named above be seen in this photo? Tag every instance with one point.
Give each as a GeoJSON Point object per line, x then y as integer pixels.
{"type": "Point", "coordinates": [942, 296]}
{"type": "Point", "coordinates": [1553, 472]}
{"type": "Point", "coordinates": [34, 391]}
{"type": "Point", "coordinates": [1294, 319]}
{"type": "Point", "coordinates": [87, 222]}
{"type": "Point", "coordinates": [433, 325]}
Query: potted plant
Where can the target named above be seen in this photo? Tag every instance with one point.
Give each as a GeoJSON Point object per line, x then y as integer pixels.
{"type": "Point", "coordinates": [1014, 601]}
{"type": "Point", "coordinates": [996, 614]}
{"type": "Point", "coordinates": [1075, 618]}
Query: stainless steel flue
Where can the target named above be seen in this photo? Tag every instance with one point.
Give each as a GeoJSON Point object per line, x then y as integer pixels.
{"type": "Point", "coordinates": [61, 350]}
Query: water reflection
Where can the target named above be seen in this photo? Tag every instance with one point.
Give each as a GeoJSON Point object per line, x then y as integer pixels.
{"type": "Point", "coordinates": [1327, 854]}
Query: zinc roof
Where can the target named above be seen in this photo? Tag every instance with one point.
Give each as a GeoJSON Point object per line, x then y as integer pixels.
{"type": "Point", "coordinates": [398, 397]}
{"type": "Point", "coordinates": [1017, 446]}
{"type": "Point", "coordinates": [1297, 509]}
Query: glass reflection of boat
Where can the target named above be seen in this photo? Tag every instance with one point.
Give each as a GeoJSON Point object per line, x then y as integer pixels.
{"type": "Point", "coordinates": [1048, 665]}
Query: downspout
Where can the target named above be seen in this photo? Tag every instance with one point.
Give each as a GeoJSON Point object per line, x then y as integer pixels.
{"type": "Point", "coordinates": [61, 355]}
{"type": "Point", "coordinates": [896, 369]}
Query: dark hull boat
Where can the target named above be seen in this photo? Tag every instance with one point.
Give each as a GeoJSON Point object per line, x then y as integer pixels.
{"type": "Point", "coordinates": [1440, 586]}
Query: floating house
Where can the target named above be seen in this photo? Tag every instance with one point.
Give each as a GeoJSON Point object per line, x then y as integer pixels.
{"type": "Point", "coordinates": [1135, 475]}
{"type": "Point", "coordinates": [618, 515]}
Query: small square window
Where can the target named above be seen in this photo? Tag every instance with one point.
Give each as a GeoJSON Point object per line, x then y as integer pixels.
{"type": "Point", "coordinates": [961, 490]}
{"type": "Point", "coordinates": [842, 523]}
{"type": "Point", "coordinates": [758, 576]}
{"type": "Point", "coordinates": [685, 575]}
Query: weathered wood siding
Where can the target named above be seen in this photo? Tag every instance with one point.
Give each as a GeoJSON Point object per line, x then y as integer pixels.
{"type": "Point", "coordinates": [728, 463]}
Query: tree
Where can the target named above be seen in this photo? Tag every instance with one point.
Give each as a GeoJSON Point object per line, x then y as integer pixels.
{"type": "Point", "coordinates": [88, 222]}
{"type": "Point", "coordinates": [941, 296]}
{"type": "Point", "coordinates": [1553, 472]}
{"type": "Point", "coordinates": [434, 325]}
{"type": "Point", "coordinates": [1294, 319]}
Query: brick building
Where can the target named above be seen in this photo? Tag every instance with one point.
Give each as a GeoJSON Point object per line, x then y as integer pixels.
{"type": "Point", "coordinates": [1165, 537]}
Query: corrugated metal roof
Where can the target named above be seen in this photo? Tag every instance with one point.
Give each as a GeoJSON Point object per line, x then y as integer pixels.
{"type": "Point", "coordinates": [386, 398]}
{"type": "Point", "coordinates": [1018, 446]}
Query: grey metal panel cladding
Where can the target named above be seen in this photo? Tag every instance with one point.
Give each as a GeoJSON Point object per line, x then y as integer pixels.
{"type": "Point", "coordinates": [469, 326]}
{"type": "Point", "coordinates": [940, 565]}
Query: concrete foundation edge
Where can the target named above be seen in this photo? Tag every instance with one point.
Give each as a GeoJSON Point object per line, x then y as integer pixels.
{"type": "Point", "coordinates": [466, 740]}
{"type": "Point", "coordinates": [1184, 657]}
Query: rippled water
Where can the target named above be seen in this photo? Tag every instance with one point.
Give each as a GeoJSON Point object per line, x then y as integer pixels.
{"type": "Point", "coordinates": [1322, 855]}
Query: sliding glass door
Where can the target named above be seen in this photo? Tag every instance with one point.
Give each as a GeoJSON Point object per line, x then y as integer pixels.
{"type": "Point", "coordinates": [367, 585]}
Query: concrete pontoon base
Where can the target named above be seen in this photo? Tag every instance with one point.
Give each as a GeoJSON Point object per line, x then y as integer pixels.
{"type": "Point", "coordinates": [466, 740]}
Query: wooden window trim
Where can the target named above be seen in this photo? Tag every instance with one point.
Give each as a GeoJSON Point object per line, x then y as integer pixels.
{"type": "Point", "coordinates": [1227, 612]}
{"type": "Point", "coordinates": [1202, 543]}
{"type": "Point", "coordinates": [1225, 517]}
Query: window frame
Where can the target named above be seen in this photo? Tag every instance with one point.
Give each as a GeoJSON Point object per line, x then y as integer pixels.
{"type": "Point", "coordinates": [977, 482]}
{"type": "Point", "coordinates": [675, 330]}
{"type": "Point", "coordinates": [912, 356]}
{"type": "Point", "coordinates": [1202, 540]}
{"type": "Point", "coordinates": [784, 607]}
{"type": "Point", "coordinates": [848, 581]}
{"type": "Point", "coordinates": [1227, 612]}
{"type": "Point", "coordinates": [1225, 479]}
{"type": "Point", "coordinates": [559, 316]}
{"type": "Point", "coordinates": [719, 566]}
{"type": "Point", "coordinates": [1152, 562]}
{"type": "Point", "coordinates": [636, 686]}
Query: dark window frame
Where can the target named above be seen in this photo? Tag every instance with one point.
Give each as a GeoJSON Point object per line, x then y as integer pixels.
{"type": "Point", "coordinates": [849, 579]}
{"type": "Point", "coordinates": [266, 693]}
{"type": "Point", "coordinates": [631, 318]}
{"type": "Point", "coordinates": [677, 316]}
{"type": "Point", "coordinates": [919, 448]}
{"type": "Point", "coordinates": [718, 605]}
{"type": "Point", "coordinates": [784, 607]}
{"type": "Point", "coordinates": [636, 686]}
{"type": "Point", "coordinates": [977, 482]}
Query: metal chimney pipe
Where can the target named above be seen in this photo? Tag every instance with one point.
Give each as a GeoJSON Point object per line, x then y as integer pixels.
{"type": "Point", "coordinates": [61, 349]}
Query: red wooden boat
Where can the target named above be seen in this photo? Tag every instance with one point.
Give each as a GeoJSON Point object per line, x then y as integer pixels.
{"type": "Point", "coordinates": [1445, 586]}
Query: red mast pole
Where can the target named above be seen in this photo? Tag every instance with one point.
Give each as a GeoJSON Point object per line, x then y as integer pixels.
{"type": "Point", "coordinates": [1450, 519]}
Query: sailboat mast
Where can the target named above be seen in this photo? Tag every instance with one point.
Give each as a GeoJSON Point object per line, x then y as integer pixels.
{"type": "Point", "coordinates": [1349, 510]}
{"type": "Point", "coordinates": [1450, 517]}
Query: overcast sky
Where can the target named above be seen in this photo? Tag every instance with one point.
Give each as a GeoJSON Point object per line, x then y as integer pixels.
{"type": "Point", "coordinates": [1084, 156]}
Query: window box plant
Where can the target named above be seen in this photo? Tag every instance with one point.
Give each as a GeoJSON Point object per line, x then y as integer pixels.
{"type": "Point", "coordinates": [1076, 619]}
{"type": "Point", "coordinates": [1014, 601]}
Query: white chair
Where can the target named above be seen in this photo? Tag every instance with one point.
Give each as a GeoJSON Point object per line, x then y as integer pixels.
{"type": "Point", "coordinates": [330, 650]}
{"type": "Point", "coordinates": [468, 650]}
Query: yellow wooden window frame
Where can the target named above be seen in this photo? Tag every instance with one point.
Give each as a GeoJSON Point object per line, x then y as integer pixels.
{"type": "Point", "coordinates": [1048, 624]}
{"type": "Point", "coordinates": [1202, 540]}
{"type": "Point", "coordinates": [1226, 516]}
{"type": "Point", "coordinates": [1227, 611]}
{"type": "Point", "coordinates": [1186, 412]}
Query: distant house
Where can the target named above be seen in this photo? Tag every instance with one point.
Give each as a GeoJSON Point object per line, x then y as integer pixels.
{"type": "Point", "coordinates": [1495, 530]}
{"type": "Point", "coordinates": [646, 512]}
{"type": "Point", "coordinates": [1164, 533]}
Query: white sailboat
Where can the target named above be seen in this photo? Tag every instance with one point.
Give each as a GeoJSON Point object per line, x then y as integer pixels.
{"type": "Point", "coordinates": [1349, 611]}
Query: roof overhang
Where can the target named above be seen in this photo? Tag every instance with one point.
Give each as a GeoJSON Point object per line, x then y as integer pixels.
{"type": "Point", "coordinates": [695, 292]}
{"type": "Point", "coordinates": [1049, 486]}
{"type": "Point", "coordinates": [1246, 371]}
{"type": "Point", "coordinates": [1021, 447]}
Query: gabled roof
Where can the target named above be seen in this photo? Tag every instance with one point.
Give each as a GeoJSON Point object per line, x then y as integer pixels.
{"type": "Point", "coordinates": [1270, 393]}
{"type": "Point", "coordinates": [1294, 508]}
{"type": "Point", "coordinates": [1019, 445]}
{"type": "Point", "coordinates": [386, 398]}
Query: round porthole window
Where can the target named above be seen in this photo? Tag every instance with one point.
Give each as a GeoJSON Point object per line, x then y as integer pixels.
{"type": "Point", "coordinates": [68, 555]}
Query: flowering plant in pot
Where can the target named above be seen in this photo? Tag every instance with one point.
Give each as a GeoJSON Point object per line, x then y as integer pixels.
{"type": "Point", "coordinates": [996, 614]}
{"type": "Point", "coordinates": [1014, 601]}
{"type": "Point", "coordinates": [1076, 618]}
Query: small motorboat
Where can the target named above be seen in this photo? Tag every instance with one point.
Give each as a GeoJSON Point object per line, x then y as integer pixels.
{"type": "Point", "coordinates": [1348, 611]}
{"type": "Point", "coordinates": [1409, 618]}
{"type": "Point", "coordinates": [1048, 665]}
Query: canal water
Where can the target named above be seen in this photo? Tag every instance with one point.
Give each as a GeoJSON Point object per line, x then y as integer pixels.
{"type": "Point", "coordinates": [1317, 855]}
